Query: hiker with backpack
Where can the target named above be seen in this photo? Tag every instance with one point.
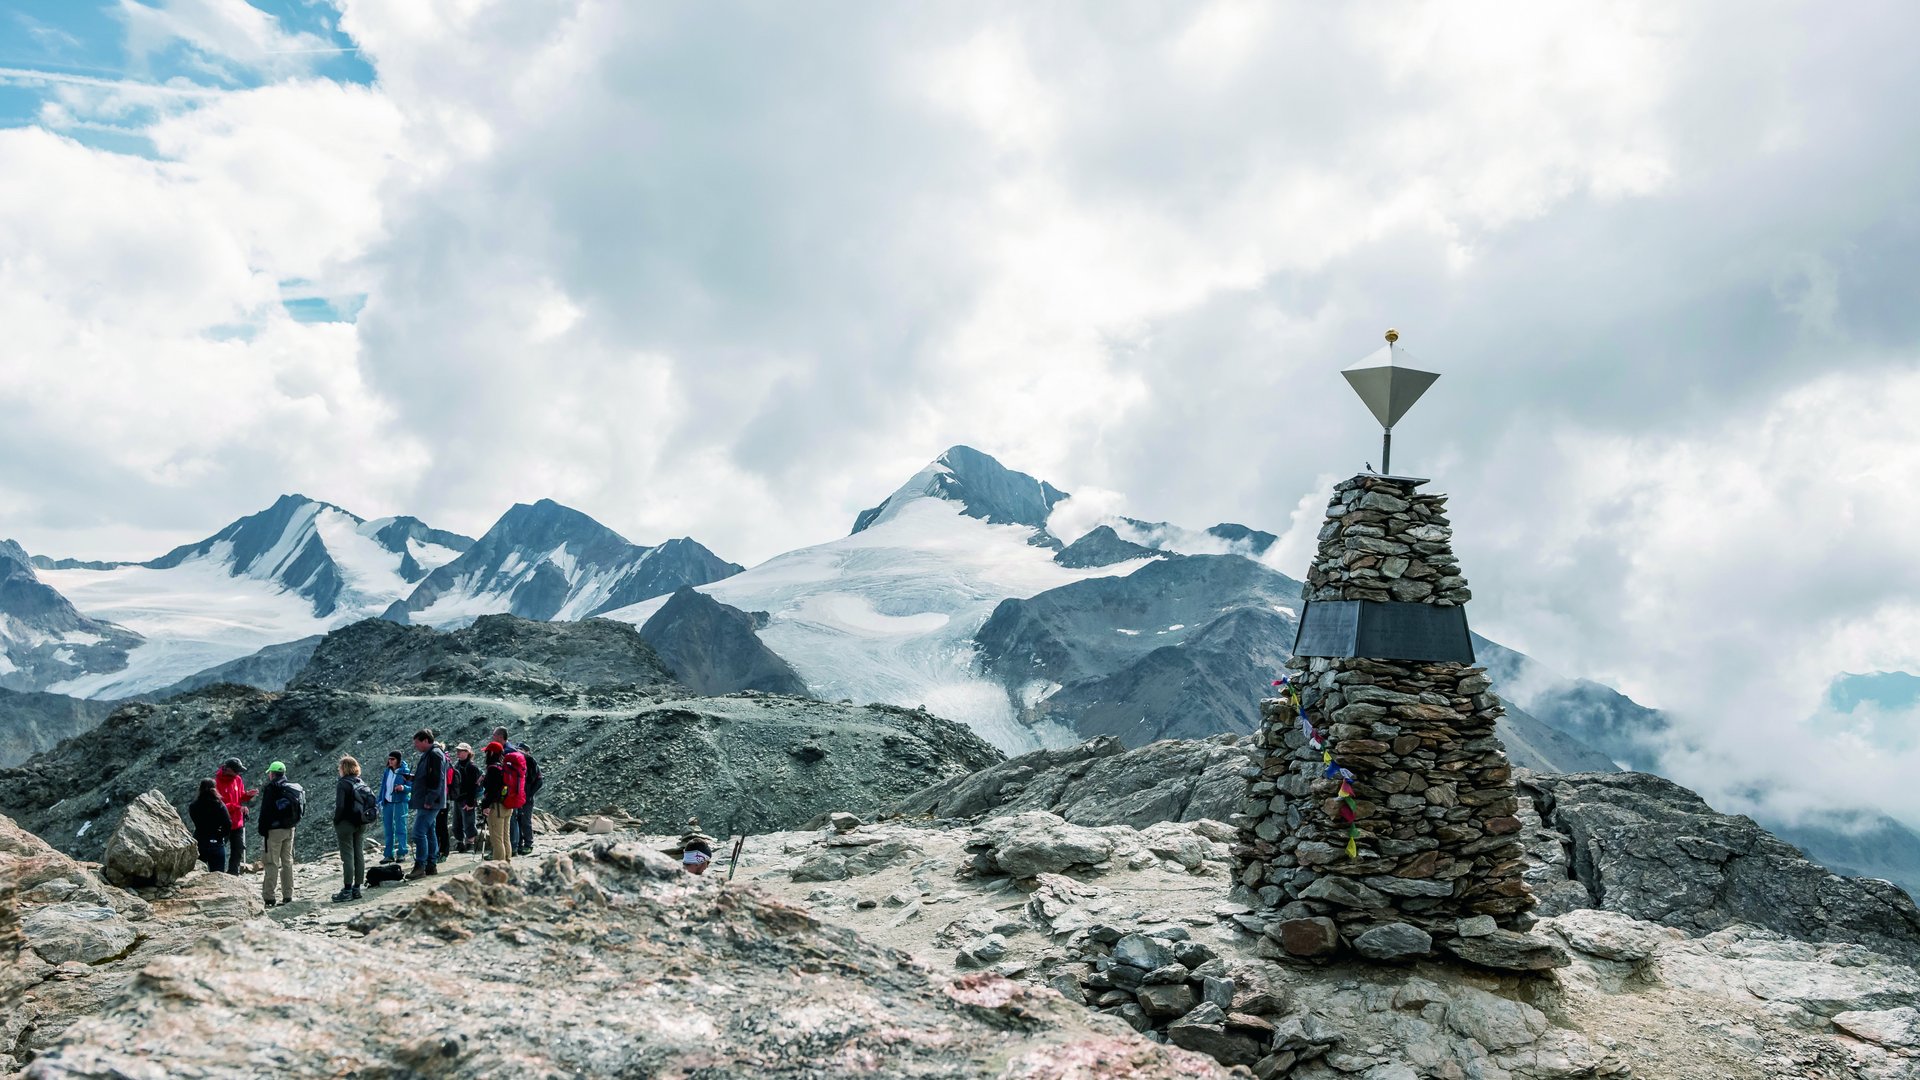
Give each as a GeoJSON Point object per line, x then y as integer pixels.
{"type": "Point", "coordinates": [281, 803]}
{"type": "Point", "coordinates": [429, 792]}
{"type": "Point", "coordinates": [355, 809]}
{"type": "Point", "coordinates": [521, 767]}
{"type": "Point", "coordinates": [232, 789]}
{"type": "Point", "coordinates": [393, 807]}
{"type": "Point", "coordinates": [464, 795]}
{"type": "Point", "coordinates": [493, 803]}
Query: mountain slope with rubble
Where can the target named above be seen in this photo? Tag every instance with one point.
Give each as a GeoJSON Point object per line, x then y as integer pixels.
{"type": "Point", "coordinates": [601, 712]}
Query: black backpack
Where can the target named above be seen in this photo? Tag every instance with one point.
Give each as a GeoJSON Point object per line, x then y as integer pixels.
{"type": "Point", "coordinates": [533, 774]}
{"type": "Point", "coordinates": [366, 805]}
{"type": "Point", "coordinates": [289, 801]}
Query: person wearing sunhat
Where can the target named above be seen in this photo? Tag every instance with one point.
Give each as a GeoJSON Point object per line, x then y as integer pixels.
{"type": "Point", "coordinates": [281, 804]}
{"type": "Point", "coordinates": [464, 797]}
{"type": "Point", "coordinates": [232, 789]}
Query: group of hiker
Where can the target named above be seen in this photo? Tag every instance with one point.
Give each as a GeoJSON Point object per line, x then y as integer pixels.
{"type": "Point", "coordinates": [448, 796]}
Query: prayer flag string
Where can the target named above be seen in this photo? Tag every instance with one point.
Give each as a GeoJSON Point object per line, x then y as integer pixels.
{"type": "Point", "coordinates": [1348, 810]}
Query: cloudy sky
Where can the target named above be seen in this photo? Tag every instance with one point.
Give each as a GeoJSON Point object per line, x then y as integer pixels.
{"type": "Point", "coordinates": [734, 271]}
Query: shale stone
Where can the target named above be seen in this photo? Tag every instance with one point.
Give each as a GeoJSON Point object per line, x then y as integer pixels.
{"type": "Point", "coordinates": [1394, 941]}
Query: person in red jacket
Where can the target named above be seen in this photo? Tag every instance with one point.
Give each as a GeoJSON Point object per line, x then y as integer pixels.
{"type": "Point", "coordinates": [234, 794]}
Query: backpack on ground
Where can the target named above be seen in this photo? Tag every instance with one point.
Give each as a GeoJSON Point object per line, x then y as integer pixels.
{"type": "Point", "coordinates": [533, 779]}
{"type": "Point", "coordinates": [289, 801]}
{"type": "Point", "coordinates": [366, 805]}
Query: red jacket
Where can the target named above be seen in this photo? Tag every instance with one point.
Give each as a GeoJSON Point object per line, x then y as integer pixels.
{"type": "Point", "coordinates": [233, 792]}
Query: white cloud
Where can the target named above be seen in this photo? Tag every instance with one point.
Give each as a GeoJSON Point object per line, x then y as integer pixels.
{"type": "Point", "coordinates": [735, 277]}
{"type": "Point", "coordinates": [1726, 575]}
{"type": "Point", "coordinates": [225, 37]}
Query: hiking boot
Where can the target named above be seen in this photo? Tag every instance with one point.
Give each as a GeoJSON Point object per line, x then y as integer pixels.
{"type": "Point", "coordinates": [355, 893]}
{"type": "Point", "coordinates": [269, 903]}
{"type": "Point", "coordinates": [343, 896]}
{"type": "Point", "coordinates": [388, 861]}
{"type": "Point", "coordinates": [419, 871]}
{"type": "Point", "coordinates": [433, 868]}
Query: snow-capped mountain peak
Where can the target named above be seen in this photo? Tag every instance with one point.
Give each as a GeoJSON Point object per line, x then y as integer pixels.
{"type": "Point", "coordinates": [300, 567]}
{"type": "Point", "coordinates": [983, 487]}
{"type": "Point", "coordinates": [548, 561]}
{"type": "Point", "coordinates": [43, 638]}
{"type": "Point", "coordinates": [316, 550]}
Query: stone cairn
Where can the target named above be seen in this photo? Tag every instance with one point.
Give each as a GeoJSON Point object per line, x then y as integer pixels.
{"type": "Point", "coordinates": [1439, 859]}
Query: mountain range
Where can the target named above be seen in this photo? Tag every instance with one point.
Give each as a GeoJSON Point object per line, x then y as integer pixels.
{"type": "Point", "coordinates": [296, 570]}
{"type": "Point", "coordinates": [951, 595]}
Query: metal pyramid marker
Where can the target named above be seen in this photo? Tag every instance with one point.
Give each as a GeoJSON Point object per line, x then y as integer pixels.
{"type": "Point", "coordinates": [1388, 388]}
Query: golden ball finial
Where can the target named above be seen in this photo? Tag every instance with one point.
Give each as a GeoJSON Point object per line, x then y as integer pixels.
{"type": "Point", "coordinates": [1392, 335]}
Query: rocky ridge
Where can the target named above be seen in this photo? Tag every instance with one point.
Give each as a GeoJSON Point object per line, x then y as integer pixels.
{"type": "Point", "coordinates": [593, 702]}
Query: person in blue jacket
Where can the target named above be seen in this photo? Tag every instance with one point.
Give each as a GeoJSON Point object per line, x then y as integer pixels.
{"type": "Point", "coordinates": [394, 785]}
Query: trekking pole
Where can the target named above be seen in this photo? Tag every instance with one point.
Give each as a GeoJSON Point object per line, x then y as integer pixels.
{"type": "Point", "coordinates": [734, 862]}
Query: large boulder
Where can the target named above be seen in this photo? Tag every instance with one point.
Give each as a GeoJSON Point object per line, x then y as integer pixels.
{"type": "Point", "coordinates": [151, 848]}
{"type": "Point", "coordinates": [1038, 843]}
{"type": "Point", "coordinates": [85, 932]}
{"type": "Point", "coordinates": [1646, 847]}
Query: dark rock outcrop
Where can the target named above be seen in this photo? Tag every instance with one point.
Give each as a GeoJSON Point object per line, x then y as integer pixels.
{"type": "Point", "coordinates": [500, 651]}
{"type": "Point", "coordinates": [1644, 846]}
{"type": "Point", "coordinates": [1103, 547]}
{"type": "Point", "coordinates": [1099, 783]}
{"type": "Point", "coordinates": [715, 649]}
{"type": "Point", "coordinates": [32, 722]}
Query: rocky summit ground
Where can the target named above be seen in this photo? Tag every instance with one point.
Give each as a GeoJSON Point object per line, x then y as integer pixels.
{"type": "Point", "coordinates": [1013, 942]}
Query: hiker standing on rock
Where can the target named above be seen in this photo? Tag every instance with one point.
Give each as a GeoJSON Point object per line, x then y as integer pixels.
{"type": "Point", "coordinates": [464, 795]}
{"type": "Point", "coordinates": [212, 824]}
{"type": "Point", "coordinates": [429, 792]}
{"type": "Point", "coordinates": [393, 807]}
{"type": "Point", "coordinates": [493, 803]}
{"type": "Point", "coordinates": [281, 804]}
{"type": "Point", "coordinates": [355, 809]}
{"type": "Point", "coordinates": [523, 775]}
{"type": "Point", "coordinates": [233, 792]}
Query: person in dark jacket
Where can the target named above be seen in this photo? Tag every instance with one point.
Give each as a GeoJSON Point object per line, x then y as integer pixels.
{"type": "Point", "coordinates": [212, 824]}
{"type": "Point", "coordinates": [233, 792]}
{"type": "Point", "coordinates": [352, 832]}
{"type": "Point", "coordinates": [443, 821]}
{"type": "Point", "coordinates": [493, 803]}
{"type": "Point", "coordinates": [464, 796]}
{"type": "Point", "coordinates": [280, 808]}
{"type": "Point", "coordinates": [429, 791]}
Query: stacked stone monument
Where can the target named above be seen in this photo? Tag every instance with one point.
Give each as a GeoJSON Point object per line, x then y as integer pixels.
{"type": "Point", "coordinates": [1437, 859]}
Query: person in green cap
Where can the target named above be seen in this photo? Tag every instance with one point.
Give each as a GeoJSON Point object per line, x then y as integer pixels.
{"type": "Point", "coordinates": [280, 805]}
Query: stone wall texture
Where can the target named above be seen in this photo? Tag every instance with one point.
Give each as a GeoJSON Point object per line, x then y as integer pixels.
{"type": "Point", "coordinates": [1439, 849]}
